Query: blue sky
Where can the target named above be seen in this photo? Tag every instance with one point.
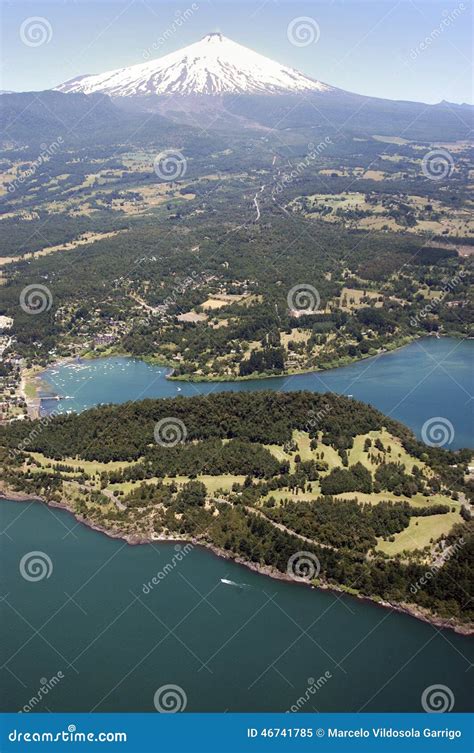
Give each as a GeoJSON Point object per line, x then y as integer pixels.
{"type": "Point", "coordinates": [400, 49]}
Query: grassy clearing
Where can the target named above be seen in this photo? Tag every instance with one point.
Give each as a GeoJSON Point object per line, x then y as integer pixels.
{"type": "Point", "coordinates": [212, 483]}
{"type": "Point", "coordinates": [214, 304]}
{"type": "Point", "coordinates": [86, 466]}
{"type": "Point", "coordinates": [303, 441]}
{"type": "Point", "coordinates": [418, 500]}
{"type": "Point", "coordinates": [297, 336]}
{"type": "Point", "coordinates": [223, 482]}
{"type": "Point", "coordinates": [391, 139]}
{"type": "Point", "coordinates": [331, 456]}
{"type": "Point", "coordinates": [281, 494]}
{"type": "Point", "coordinates": [419, 533]}
{"type": "Point", "coordinates": [351, 298]}
{"type": "Point", "coordinates": [280, 454]}
{"type": "Point", "coordinates": [353, 210]}
{"type": "Point", "coordinates": [374, 175]}
{"type": "Point", "coordinates": [397, 453]}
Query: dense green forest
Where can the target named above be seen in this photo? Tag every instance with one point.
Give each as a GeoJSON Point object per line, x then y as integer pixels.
{"type": "Point", "coordinates": [124, 432]}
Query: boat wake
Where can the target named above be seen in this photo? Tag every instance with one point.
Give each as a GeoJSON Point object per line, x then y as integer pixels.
{"type": "Point", "coordinates": [228, 582]}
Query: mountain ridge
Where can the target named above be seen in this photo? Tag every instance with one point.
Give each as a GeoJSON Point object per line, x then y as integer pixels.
{"type": "Point", "coordinates": [215, 65]}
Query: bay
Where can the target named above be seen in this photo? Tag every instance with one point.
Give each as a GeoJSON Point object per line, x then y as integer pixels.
{"type": "Point", "coordinates": [427, 379]}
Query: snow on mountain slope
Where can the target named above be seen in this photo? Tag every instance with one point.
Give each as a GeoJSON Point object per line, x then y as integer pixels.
{"type": "Point", "coordinates": [214, 65]}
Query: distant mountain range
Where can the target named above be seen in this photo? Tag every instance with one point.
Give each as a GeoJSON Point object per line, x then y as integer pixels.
{"type": "Point", "coordinates": [216, 83]}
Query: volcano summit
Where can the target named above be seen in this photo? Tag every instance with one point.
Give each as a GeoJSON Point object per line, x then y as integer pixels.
{"type": "Point", "coordinates": [213, 66]}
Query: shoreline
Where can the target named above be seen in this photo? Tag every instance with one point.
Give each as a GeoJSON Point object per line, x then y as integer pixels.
{"type": "Point", "coordinates": [411, 610]}
{"type": "Point", "coordinates": [337, 364]}
{"type": "Point", "coordinates": [258, 376]}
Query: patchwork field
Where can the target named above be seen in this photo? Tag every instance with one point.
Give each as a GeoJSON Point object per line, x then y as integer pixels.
{"type": "Point", "coordinates": [421, 532]}
{"type": "Point", "coordinates": [410, 213]}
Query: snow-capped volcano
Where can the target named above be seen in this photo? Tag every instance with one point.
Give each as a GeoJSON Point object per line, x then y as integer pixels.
{"type": "Point", "coordinates": [213, 66]}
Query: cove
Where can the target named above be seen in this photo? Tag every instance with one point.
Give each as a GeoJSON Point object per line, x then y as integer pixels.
{"type": "Point", "coordinates": [249, 644]}
{"type": "Point", "coordinates": [426, 379]}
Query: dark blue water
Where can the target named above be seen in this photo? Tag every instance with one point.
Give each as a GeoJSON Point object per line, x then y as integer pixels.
{"type": "Point", "coordinates": [257, 645]}
{"type": "Point", "coordinates": [429, 378]}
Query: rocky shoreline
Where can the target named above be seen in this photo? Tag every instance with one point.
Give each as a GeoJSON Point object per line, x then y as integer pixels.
{"type": "Point", "coordinates": [135, 539]}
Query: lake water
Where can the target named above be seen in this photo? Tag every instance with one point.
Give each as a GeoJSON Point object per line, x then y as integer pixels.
{"type": "Point", "coordinates": [258, 645]}
{"type": "Point", "coordinates": [427, 379]}
{"type": "Point", "coordinates": [254, 644]}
